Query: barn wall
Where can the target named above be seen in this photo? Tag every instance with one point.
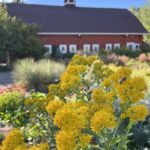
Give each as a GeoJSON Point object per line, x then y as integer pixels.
{"type": "Point", "coordinates": [89, 39]}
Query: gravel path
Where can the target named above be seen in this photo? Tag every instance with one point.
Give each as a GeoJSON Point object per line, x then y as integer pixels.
{"type": "Point", "coordinates": [5, 78]}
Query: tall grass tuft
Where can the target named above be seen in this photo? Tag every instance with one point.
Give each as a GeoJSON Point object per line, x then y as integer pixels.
{"type": "Point", "coordinates": [37, 75]}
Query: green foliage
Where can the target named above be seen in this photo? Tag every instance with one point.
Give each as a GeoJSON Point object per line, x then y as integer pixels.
{"type": "Point", "coordinates": [127, 52]}
{"type": "Point", "coordinates": [18, 39]}
{"type": "Point", "coordinates": [145, 47]}
{"type": "Point", "coordinates": [11, 108]}
{"type": "Point", "coordinates": [143, 14]}
{"type": "Point", "coordinates": [140, 138]}
{"type": "Point", "coordinates": [37, 75]}
{"type": "Point", "coordinates": [39, 127]}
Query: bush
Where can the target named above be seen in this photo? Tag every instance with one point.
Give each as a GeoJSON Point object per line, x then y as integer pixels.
{"type": "Point", "coordinates": [11, 108]}
{"type": "Point", "coordinates": [145, 47]}
{"type": "Point", "coordinates": [127, 52]}
{"type": "Point", "coordinates": [37, 75]}
{"type": "Point", "coordinates": [95, 108]}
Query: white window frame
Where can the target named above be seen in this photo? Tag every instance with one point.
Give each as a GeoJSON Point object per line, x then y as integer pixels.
{"type": "Point", "coordinates": [117, 46]}
{"type": "Point", "coordinates": [49, 47]}
{"type": "Point", "coordinates": [108, 45]}
{"type": "Point", "coordinates": [95, 45]}
{"type": "Point", "coordinates": [137, 44]}
{"type": "Point", "coordinates": [87, 48]}
{"type": "Point", "coordinates": [74, 46]}
{"type": "Point", "coordinates": [63, 46]}
{"type": "Point", "coordinates": [133, 45]}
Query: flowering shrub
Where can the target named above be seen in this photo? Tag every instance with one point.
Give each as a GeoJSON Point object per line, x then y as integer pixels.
{"type": "Point", "coordinates": [15, 141]}
{"type": "Point", "coordinates": [11, 108]}
{"type": "Point", "coordinates": [91, 104]}
{"type": "Point", "coordinates": [91, 107]}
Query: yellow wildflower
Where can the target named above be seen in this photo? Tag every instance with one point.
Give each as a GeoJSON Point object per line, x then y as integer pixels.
{"type": "Point", "coordinates": [71, 117]}
{"type": "Point", "coordinates": [76, 69]}
{"type": "Point", "coordinates": [85, 140]}
{"type": "Point", "coordinates": [91, 59]}
{"type": "Point", "coordinates": [102, 119]}
{"type": "Point", "coordinates": [132, 89]}
{"type": "Point", "coordinates": [55, 90]}
{"type": "Point", "coordinates": [136, 113]}
{"type": "Point", "coordinates": [99, 96]}
{"type": "Point", "coordinates": [70, 82]}
{"type": "Point", "coordinates": [66, 140]}
{"type": "Point", "coordinates": [79, 60]}
{"type": "Point", "coordinates": [42, 146]}
{"type": "Point", "coordinates": [13, 141]}
{"type": "Point", "coordinates": [53, 106]}
{"type": "Point", "coordinates": [121, 74]}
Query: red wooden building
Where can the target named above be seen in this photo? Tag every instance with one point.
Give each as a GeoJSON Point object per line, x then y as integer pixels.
{"type": "Point", "coordinates": [74, 28]}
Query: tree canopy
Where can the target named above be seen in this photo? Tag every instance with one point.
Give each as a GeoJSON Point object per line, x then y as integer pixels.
{"type": "Point", "coordinates": [143, 14]}
{"type": "Point", "coordinates": [18, 39]}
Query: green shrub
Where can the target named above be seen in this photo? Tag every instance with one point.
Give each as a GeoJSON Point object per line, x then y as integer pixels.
{"type": "Point", "coordinates": [37, 75]}
{"type": "Point", "coordinates": [11, 108]}
{"type": "Point", "coordinates": [127, 52]}
{"type": "Point", "coordinates": [140, 137]}
{"type": "Point", "coordinates": [145, 47]}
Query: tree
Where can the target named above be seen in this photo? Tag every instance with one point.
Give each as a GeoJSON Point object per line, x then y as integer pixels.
{"type": "Point", "coordinates": [143, 14]}
{"type": "Point", "coordinates": [18, 39]}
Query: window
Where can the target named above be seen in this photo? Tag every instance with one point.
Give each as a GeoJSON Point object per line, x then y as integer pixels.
{"type": "Point", "coordinates": [133, 46]}
{"type": "Point", "coordinates": [95, 47]}
{"type": "Point", "coordinates": [130, 45]}
{"type": "Point", "coordinates": [108, 47]}
{"type": "Point", "coordinates": [49, 48]}
{"type": "Point", "coordinates": [73, 48]}
{"type": "Point", "coordinates": [117, 46]}
{"type": "Point", "coordinates": [86, 48]}
{"type": "Point", "coordinates": [63, 49]}
{"type": "Point", "coordinates": [137, 46]}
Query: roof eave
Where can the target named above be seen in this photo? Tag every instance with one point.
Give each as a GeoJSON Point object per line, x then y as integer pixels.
{"type": "Point", "coordinates": [88, 33]}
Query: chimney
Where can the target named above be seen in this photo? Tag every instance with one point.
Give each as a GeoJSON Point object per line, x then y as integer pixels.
{"type": "Point", "coordinates": [70, 3]}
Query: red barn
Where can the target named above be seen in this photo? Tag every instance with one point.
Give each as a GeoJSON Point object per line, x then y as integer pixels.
{"type": "Point", "coordinates": [76, 28]}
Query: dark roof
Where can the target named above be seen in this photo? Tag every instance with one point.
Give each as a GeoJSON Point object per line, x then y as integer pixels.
{"type": "Point", "coordinates": [78, 19]}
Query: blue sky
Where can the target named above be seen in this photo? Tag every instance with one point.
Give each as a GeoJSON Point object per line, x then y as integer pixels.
{"type": "Point", "coordinates": [94, 3]}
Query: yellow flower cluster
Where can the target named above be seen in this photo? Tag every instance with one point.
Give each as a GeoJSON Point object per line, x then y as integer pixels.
{"type": "Point", "coordinates": [81, 60]}
{"type": "Point", "coordinates": [100, 71]}
{"type": "Point", "coordinates": [72, 116]}
{"type": "Point", "coordinates": [70, 82]}
{"type": "Point", "coordinates": [42, 146]}
{"type": "Point", "coordinates": [85, 139]}
{"type": "Point", "coordinates": [101, 97]}
{"type": "Point", "coordinates": [132, 89]}
{"type": "Point", "coordinates": [136, 113]}
{"type": "Point", "coordinates": [103, 119]}
{"type": "Point", "coordinates": [13, 141]}
{"type": "Point", "coordinates": [55, 90]}
{"type": "Point", "coordinates": [53, 106]}
{"type": "Point", "coordinates": [127, 88]}
{"type": "Point", "coordinates": [66, 140]}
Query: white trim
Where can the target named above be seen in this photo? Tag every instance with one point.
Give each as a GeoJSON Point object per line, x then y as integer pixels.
{"type": "Point", "coordinates": [74, 46]}
{"type": "Point", "coordinates": [117, 45]}
{"type": "Point", "coordinates": [95, 45]}
{"type": "Point", "coordinates": [49, 48]}
{"type": "Point", "coordinates": [87, 48]}
{"type": "Point", "coordinates": [133, 44]}
{"type": "Point", "coordinates": [86, 33]}
{"type": "Point", "coordinates": [65, 48]}
{"type": "Point", "coordinates": [108, 45]}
